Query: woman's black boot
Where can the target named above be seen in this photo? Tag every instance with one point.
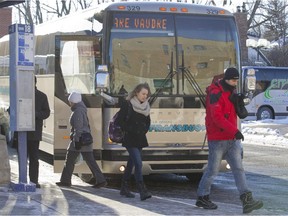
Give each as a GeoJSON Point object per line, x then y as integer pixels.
{"type": "Point", "coordinates": [144, 193]}
{"type": "Point", "coordinates": [124, 191]}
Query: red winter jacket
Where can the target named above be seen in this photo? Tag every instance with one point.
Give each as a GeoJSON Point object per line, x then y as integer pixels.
{"type": "Point", "coordinates": [221, 117]}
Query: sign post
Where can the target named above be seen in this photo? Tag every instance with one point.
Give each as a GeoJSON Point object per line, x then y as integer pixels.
{"type": "Point", "coordinates": [22, 94]}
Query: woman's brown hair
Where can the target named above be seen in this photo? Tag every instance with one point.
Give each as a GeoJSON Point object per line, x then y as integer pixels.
{"type": "Point", "coordinates": [137, 89]}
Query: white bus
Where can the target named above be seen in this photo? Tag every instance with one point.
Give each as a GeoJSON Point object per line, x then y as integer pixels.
{"type": "Point", "coordinates": [177, 48]}
{"type": "Point", "coordinates": [270, 99]}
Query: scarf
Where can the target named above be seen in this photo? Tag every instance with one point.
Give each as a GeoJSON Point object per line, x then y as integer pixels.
{"type": "Point", "coordinates": [142, 108]}
{"type": "Point", "coordinates": [226, 86]}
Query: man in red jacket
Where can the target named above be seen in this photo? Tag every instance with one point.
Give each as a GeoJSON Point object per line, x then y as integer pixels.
{"type": "Point", "coordinates": [224, 141]}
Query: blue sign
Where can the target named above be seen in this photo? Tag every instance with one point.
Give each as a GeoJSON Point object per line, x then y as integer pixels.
{"type": "Point", "coordinates": [24, 41]}
{"type": "Point", "coordinates": [21, 28]}
{"type": "Point", "coordinates": [25, 52]}
{"type": "Point", "coordinates": [25, 28]}
{"type": "Point", "coordinates": [25, 45]}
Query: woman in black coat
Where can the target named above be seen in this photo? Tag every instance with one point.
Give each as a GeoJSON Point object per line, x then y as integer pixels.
{"type": "Point", "coordinates": [134, 119]}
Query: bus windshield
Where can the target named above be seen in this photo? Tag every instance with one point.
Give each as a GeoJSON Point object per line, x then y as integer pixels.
{"type": "Point", "coordinates": [149, 47]}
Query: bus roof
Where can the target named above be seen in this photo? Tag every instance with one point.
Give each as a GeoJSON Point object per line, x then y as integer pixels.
{"type": "Point", "coordinates": [175, 7]}
{"type": "Point", "coordinates": [264, 68]}
{"type": "Point", "coordinates": [81, 20]}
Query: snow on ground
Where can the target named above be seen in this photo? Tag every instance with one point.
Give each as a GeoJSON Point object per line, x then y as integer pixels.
{"type": "Point", "coordinates": [270, 132]}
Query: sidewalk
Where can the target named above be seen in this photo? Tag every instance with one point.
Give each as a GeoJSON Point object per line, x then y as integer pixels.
{"type": "Point", "coordinates": [82, 199]}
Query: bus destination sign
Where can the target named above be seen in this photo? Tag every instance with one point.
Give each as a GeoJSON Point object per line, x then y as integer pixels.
{"type": "Point", "coordinates": [142, 22]}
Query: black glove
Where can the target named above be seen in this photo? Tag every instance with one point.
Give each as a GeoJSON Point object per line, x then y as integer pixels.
{"type": "Point", "coordinates": [239, 136]}
{"type": "Point", "coordinates": [77, 145]}
{"type": "Point", "coordinates": [233, 98]}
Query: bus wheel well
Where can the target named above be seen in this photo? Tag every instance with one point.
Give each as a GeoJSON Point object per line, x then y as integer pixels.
{"type": "Point", "coordinates": [194, 177]}
{"type": "Point", "coordinates": [265, 112]}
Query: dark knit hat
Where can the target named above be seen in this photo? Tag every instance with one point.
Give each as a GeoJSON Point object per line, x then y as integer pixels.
{"type": "Point", "coordinates": [231, 73]}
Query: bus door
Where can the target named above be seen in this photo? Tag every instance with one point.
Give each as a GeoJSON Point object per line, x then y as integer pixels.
{"type": "Point", "coordinates": [76, 60]}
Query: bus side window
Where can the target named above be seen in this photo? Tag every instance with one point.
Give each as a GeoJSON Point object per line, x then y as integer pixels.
{"type": "Point", "coordinates": [170, 102]}
{"type": "Point", "coordinates": [285, 86]}
{"type": "Point", "coordinates": [265, 85]}
{"type": "Point", "coordinates": [261, 86]}
{"type": "Point", "coordinates": [191, 102]}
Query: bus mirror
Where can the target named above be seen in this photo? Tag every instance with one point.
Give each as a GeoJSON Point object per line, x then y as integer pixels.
{"type": "Point", "coordinates": [102, 80]}
{"type": "Point", "coordinates": [250, 83]}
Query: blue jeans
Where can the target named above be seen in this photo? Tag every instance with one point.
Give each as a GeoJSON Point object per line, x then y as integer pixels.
{"type": "Point", "coordinates": [135, 159]}
{"type": "Point", "coordinates": [230, 150]}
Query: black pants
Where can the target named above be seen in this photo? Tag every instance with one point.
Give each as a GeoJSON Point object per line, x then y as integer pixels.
{"type": "Point", "coordinates": [33, 155]}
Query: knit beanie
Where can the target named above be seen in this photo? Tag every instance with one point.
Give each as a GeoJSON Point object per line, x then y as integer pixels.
{"type": "Point", "coordinates": [231, 73]}
{"type": "Point", "coordinates": [75, 97]}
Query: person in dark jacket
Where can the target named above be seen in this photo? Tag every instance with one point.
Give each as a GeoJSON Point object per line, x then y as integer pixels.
{"type": "Point", "coordinates": [224, 142]}
{"type": "Point", "coordinates": [135, 126]}
{"type": "Point", "coordinates": [42, 111]}
{"type": "Point", "coordinates": [79, 124]}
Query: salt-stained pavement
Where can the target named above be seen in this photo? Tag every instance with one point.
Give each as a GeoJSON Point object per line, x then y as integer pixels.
{"type": "Point", "coordinates": [82, 199]}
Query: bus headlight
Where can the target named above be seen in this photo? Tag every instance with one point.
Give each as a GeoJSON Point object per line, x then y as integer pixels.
{"type": "Point", "coordinates": [122, 168]}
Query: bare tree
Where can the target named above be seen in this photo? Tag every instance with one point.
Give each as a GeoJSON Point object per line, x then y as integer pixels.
{"type": "Point", "coordinates": [276, 30]}
{"type": "Point", "coordinates": [269, 21]}
{"type": "Point", "coordinates": [39, 17]}
{"type": "Point", "coordinates": [278, 56]}
{"type": "Point", "coordinates": [256, 17]}
{"type": "Point", "coordinates": [25, 12]}
{"type": "Point", "coordinates": [83, 4]}
{"type": "Point", "coordinates": [276, 27]}
{"type": "Point", "coordinates": [36, 11]}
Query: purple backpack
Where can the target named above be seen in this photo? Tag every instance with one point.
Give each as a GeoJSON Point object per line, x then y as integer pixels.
{"type": "Point", "coordinates": [115, 132]}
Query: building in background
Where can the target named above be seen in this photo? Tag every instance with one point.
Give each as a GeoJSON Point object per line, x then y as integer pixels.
{"type": "Point", "coordinates": [241, 20]}
{"type": "Point", "coordinates": [5, 20]}
{"type": "Point", "coordinates": [6, 3]}
{"type": "Point", "coordinates": [6, 14]}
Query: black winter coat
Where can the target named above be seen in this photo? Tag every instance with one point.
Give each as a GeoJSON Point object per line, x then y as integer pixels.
{"type": "Point", "coordinates": [135, 125]}
{"type": "Point", "coordinates": [42, 111]}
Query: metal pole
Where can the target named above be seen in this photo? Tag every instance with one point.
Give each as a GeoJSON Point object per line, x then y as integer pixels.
{"type": "Point", "coordinates": [22, 154]}
{"type": "Point", "coordinates": [22, 143]}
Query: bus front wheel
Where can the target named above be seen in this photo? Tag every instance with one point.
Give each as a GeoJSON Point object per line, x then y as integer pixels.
{"type": "Point", "coordinates": [265, 113]}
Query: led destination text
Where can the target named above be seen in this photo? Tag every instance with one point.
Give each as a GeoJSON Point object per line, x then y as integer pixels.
{"type": "Point", "coordinates": [140, 23]}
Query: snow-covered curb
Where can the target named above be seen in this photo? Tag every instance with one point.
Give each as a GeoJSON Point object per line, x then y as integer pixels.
{"type": "Point", "coordinates": [267, 132]}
